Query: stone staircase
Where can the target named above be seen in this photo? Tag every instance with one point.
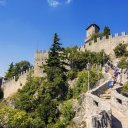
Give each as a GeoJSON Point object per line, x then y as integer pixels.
{"type": "Point", "coordinates": [118, 119]}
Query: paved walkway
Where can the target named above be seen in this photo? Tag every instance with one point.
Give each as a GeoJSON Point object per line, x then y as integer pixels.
{"type": "Point", "coordinates": [118, 119]}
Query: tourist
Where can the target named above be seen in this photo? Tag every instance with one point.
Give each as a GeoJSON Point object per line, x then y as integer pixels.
{"type": "Point", "coordinates": [115, 74]}
{"type": "Point", "coordinates": [111, 83]}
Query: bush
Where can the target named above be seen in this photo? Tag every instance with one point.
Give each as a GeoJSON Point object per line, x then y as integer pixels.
{"type": "Point", "coordinates": [120, 50]}
{"type": "Point", "coordinates": [67, 112]}
{"type": "Point", "coordinates": [71, 74]}
{"type": "Point", "coordinates": [82, 82]}
{"type": "Point", "coordinates": [123, 63]}
{"type": "Point", "coordinates": [125, 89]}
{"type": "Point", "coordinates": [97, 35]}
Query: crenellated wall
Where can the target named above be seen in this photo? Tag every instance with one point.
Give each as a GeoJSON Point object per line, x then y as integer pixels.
{"type": "Point", "coordinates": [11, 86]}
{"type": "Point", "coordinates": [119, 101]}
{"type": "Point", "coordinates": [107, 44]}
{"type": "Point", "coordinates": [98, 111]}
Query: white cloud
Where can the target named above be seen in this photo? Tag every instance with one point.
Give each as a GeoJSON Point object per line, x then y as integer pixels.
{"type": "Point", "coordinates": [53, 3]}
{"type": "Point", "coordinates": [56, 3]}
{"type": "Point", "coordinates": [68, 1]}
{"type": "Point", "coordinates": [2, 2]}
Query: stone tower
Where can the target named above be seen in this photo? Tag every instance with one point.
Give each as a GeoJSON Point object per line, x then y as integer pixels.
{"type": "Point", "coordinates": [91, 29]}
{"type": "Point", "coordinates": [40, 59]}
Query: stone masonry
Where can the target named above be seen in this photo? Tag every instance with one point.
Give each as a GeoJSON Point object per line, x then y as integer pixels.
{"type": "Point", "coordinates": [120, 102]}
{"type": "Point", "coordinates": [98, 112]}
{"type": "Point", "coordinates": [107, 45]}
{"type": "Point", "coordinates": [11, 86]}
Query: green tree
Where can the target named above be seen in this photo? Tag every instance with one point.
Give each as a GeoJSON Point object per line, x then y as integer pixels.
{"type": "Point", "coordinates": [20, 67]}
{"type": "Point", "coordinates": [11, 72]}
{"type": "Point", "coordinates": [102, 57]}
{"type": "Point", "coordinates": [77, 60]}
{"type": "Point", "coordinates": [28, 98]}
{"type": "Point", "coordinates": [14, 118]}
{"type": "Point", "coordinates": [55, 69]}
{"type": "Point", "coordinates": [48, 111]}
{"type": "Point", "coordinates": [67, 112]}
{"type": "Point", "coordinates": [107, 32]}
{"type": "Point", "coordinates": [82, 81]}
{"type": "Point", "coordinates": [15, 70]}
{"type": "Point", "coordinates": [96, 35]}
{"type": "Point", "coordinates": [55, 61]}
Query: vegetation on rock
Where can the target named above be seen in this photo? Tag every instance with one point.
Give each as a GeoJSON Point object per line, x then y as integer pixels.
{"type": "Point", "coordinates": [47, 102]}
{"type": "Point", "coordinates": [121, 50]}
{"type": "Point", "coordinates": [123, 63]}
{"type": "Point", "coordinates": [82, 82]}
{"type": "Point", "coordinates": [124, 90]}
{"type": "Point", "coordinates": [106, 32]}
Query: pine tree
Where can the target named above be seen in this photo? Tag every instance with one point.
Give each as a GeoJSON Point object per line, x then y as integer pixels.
{"type": "Point", "coordinates": [10, 72]}
{"type": "Point", "coordinates": [54, 53]}
{"type": "Point", "coordinates": [107, 31]}
{"type": "Point", "coordinates": [55, 62]}
{"type": "Point", "coordinates": [55, 70]}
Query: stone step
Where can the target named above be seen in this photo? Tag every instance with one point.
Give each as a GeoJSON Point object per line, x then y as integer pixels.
{"type": "Point", "coordinates": [105, 96]}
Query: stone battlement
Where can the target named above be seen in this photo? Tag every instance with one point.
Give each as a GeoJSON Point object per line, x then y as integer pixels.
{"type": "Point", "coordinates": [110, 37]}
{"type": "Point", "coordinates": [120, 102]}
{"type": "Point", "coordinates": [41, 51]}
{"type": "Point", "coordinates": [20, 75]}
{"type": "Point", "coordinates": [11, 86]}
{"type": "Point", "coordinates": [108, 44]}
{"type": "Point", "coordinates": [98, 111]}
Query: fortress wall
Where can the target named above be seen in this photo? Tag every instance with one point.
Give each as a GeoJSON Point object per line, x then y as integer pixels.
{"type": "Point", "coordinates": [120, 102]}
{"type": "Point", "coordinates": [97, 110]}
{"type": "Point", "coordinates": [94, 109]}
{"type": "Point", "coordinates": [40, 59]}
{"type": "Point", "coordinates": [11, 86]}
{"type": "Point", "coordinates": [107, 44]}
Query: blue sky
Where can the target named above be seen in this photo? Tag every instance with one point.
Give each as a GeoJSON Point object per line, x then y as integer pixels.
{"type": "Point", "coordinates": [26, 25]}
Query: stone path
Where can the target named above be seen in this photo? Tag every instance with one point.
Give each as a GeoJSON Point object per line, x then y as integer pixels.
{"type": "Point", "coordinates": [118, 119]}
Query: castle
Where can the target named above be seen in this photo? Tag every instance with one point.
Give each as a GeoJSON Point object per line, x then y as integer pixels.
{"type": "Point", "coordinates": [94, 110]}
{"type": "Point", "coordinates": [106, 44]}
{"type": "Point", "coordinates": [11, 86]}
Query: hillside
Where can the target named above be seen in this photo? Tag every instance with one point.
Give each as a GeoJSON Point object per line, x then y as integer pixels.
{"type": "Point", "coordinates": [49, 101]}
{"type": "Point", "coordinates": [69, 95]}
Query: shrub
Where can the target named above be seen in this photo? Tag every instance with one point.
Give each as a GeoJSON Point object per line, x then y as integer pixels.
{"type": "Point", "coordinates": [82, 82]}
{"type": "Point", "coordinates": [120, 50]}
{"type": "Point", "coordinates": [123, 63]}
{"type": "Point", "coordinates": [71, 74]}
{"type": "Point", "coordinates": [97, 35]}
{"type": "Point", "coordinates": [67, 112]}
{"type": "Point", "coordinates": [125, 89]}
